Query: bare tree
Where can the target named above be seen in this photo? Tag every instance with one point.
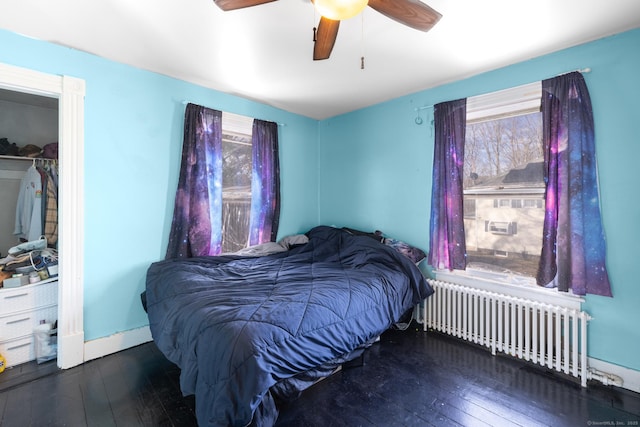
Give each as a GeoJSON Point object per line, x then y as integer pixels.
{"type": "Point", "coordinates": [524, 140]}
{"type": "Point", "coordinates": [472, 157]}
{"type": "Point", "coordinates": [494, 147]}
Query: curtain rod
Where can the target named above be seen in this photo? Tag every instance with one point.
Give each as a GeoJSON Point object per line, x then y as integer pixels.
{"type": "Point", "coordinates": [579, 70]}
{"type": "Point", "coordinates": [185, 102]}
{"type": "Point", "coordinates": [584, 70]}
{"type": "Point", "coordinates": [424, 107]}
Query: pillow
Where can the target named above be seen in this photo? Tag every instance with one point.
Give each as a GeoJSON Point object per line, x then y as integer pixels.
{"type": "Point", "coordinates": [416, 255]}
{"type": "Point", "coordinates": [294, 240]}
{"type": "Point", "coordinates": [377, 235]}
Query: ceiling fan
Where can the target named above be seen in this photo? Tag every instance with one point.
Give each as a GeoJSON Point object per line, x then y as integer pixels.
{"type": "Point", "coordinates": [412, 13]}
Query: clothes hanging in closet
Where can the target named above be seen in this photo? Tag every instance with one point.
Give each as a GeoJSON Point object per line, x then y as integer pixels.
{"type": "Point", "coordinates": [37, 207]}
{"type": "Point", "coordinates": [50, 216]}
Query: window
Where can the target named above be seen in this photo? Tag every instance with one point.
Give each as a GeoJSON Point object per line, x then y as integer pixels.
{"type": "Point", "coordinates": [469, 204]}
{"type": "Point", "coordinates": [532, 203]}
{"type": "Point", "coordinates": [503, 173]}
{"type": "Point", "coordinates": [236, 180]}
{"type": "Point", "coordinates": [504, 163]}
{"type": "Point", "coordinates": [207, 170]}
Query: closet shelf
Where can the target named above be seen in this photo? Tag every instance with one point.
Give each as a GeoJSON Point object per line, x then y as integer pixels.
{"type": "Point", "coordinates": [24, 158]}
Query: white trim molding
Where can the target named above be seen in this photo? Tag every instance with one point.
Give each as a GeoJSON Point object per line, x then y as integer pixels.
{"type": "Point", "coordinates": [70, 93]}
{"type": "Point", "coordinates": [504, 103]}
{"type": "Point", "coordinates": [514, 288]}
{"type": "Point", "coordinates": [611, 374]}
{"type": "Point", "coordinates": [71, 219]}
{"type": "Point", "coordinates": [100, 347]}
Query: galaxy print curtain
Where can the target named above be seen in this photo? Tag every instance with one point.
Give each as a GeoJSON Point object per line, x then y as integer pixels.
{"type": "Point", "coordinates": [265, 183]}
{"type": "Point", "coordinates": [447, 241]}
{"type": "Point", "coordinates": [573, 252]}
{"type": "Point", "coordinates": [196, 229]}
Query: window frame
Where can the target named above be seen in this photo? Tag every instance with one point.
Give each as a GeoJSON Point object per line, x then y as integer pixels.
{"type": "Point", "coordinates": [236, 129]}
{"type": "Point", "coordinates": [492, 106]}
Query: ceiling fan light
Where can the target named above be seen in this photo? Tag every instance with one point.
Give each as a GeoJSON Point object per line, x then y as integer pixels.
{"type": "Point", "coordinates": [339, 10]}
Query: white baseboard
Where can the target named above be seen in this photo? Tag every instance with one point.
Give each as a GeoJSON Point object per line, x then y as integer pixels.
{"type": "Point", "coordinates": [70, 350]}
{"type": "Point", "coordinates": [630, 377]}
{"type": "Point", "coordinates": [100, 347]}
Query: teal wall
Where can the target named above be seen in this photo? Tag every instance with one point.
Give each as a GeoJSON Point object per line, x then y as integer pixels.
{"type": "Point", "coordinates": [133, 140]}
{"type": "Point", "coordinates": [369, 169]}
{"type": "Point", "coordinates": [375, 171]}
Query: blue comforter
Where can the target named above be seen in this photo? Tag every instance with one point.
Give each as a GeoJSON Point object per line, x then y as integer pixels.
{"type": "Point", "coordinates": [237, 326]}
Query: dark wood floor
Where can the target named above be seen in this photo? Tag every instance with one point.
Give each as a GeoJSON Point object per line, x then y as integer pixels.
{"type": "Point", "coordinates": [409, 378]}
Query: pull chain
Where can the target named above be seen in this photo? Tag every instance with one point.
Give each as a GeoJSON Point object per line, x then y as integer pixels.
{"type": "Point", "coordinates": [362, 42]}
{"type": "Point", "coordinates": [315, 29]}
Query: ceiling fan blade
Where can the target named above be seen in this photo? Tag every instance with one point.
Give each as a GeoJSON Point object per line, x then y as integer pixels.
{"type": "Point", "coordinates": [412, 13]}
{"type": "Point", "coordinates": [238, 4]}
{"type": "Point", "coordinates": [325, 38]}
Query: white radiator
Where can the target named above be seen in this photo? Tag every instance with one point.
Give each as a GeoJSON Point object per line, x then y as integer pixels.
{"type": "Point", "coordinates": [551, 336]}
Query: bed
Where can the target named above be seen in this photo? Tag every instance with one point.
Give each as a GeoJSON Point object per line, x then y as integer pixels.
{"type": "Point", "coordinates": [249, 332]}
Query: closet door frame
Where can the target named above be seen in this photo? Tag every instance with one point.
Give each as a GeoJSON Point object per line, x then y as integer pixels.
{"type": "Point", "coordinates": [70, 92]}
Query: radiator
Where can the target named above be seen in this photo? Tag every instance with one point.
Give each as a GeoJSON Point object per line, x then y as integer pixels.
{"type": "Point", "coordinates": [544, 334]}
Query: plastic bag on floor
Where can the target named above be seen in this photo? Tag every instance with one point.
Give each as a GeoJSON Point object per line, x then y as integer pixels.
{"type": "Point", "coordinates": [46, 342]}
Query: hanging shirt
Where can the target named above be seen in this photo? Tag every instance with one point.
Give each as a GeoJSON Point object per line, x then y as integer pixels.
{"type": "Point", "coordinates": [29, 206]}
{"type": "Point", "coordinates": [50, 223]}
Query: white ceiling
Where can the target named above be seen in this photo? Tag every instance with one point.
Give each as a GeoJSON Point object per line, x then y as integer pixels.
{"type": "Point", "coordinates": [264, 53]}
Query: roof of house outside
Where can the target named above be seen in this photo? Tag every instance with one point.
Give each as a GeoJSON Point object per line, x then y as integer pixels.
{"type": "Point", "coordinates": [528, 179]}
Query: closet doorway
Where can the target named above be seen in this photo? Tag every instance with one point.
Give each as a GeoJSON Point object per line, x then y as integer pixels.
{"type": "Point", "coordinates": [69, 93]}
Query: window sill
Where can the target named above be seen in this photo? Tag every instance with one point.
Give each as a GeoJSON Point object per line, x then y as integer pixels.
{"type": "Point", "coordinates": [511, 287]}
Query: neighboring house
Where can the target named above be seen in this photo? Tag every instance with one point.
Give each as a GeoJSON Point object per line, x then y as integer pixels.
{"type": "Point", "coordinates": [503, 215]}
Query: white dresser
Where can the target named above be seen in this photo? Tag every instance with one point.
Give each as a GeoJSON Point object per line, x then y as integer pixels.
{"type": "Point", "coordinates": [21, 310]}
